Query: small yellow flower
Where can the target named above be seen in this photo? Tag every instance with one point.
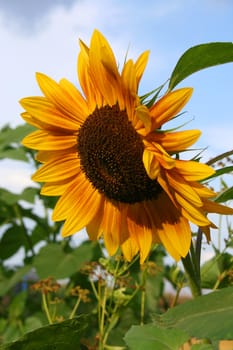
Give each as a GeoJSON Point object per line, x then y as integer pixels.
{"type": "Point", "coordinates": [105, 155]}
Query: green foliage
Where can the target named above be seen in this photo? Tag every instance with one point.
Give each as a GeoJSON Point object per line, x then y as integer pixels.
{"type": "Point", "coordinates": [198, 317]}
{"type": "Point", "coordinates": [10, 140]}
{"type": "Point", "coordinates": [195, 318]}
{"type": "Point", "coordinates": [63, 263]}
{"type": "Point", "coordinates": [64, 335]}
{"type": "Point", "coordinates": [200, 57]}
{"type": "Point", "coordinates": [152, 337]}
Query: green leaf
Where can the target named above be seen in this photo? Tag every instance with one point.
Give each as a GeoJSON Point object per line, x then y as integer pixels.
{"type": "Point", "coordinates": [29, 194]}
{"type": "Point", "coordinates": [11, 241]}
{"type": "Point", "coordinates": [32, 323]}
{"type": "Point", "coordinates": [12, 136]}
{"type": "Point", "coordinates": [11, 198]}
{"type": "Point", "coordinates": [209, 273]}
{"type": "Point", "coordinates": [8, 197]}
{"type": "Point", "coordinates": [14, 153]}
{"type": "Point", "coordinates": [202, 347]}
{"type": "Point", "coordinates": [17, 305]}
{"type": "Point", "coordinates": [53, 261]}
{"type": "Point", "coordinates": [199, 57]}
{"type": "Point", "coordinates": [152, 337]}
{"type": "Point", "coordinates": [221, 171]}
{"type": "Point", "coordinates": [216, 270]}
{"type": "Point", "coordinates": [7, 283]}
{"type": "Point", "coordinates": [208, 316]}
{"type": "Point", "coordinates": [11, 333]}
{"type": "Point", "coordinates": [64, 335]}
{"type": "Point", "coordinates": [225, 196]}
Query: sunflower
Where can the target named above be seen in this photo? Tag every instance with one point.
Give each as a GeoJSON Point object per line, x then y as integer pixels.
{"type": "Point", "coordinates": [106, 156]}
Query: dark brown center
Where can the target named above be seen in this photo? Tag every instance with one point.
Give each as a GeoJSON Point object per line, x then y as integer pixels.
{"type": "Point", "coordinates": [110, 152]}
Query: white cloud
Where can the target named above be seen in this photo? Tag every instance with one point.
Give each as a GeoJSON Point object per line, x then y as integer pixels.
{"type": "Point", "coordinates": [15, 175]}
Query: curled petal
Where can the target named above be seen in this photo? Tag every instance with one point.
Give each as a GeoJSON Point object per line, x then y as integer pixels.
{"type": "Point", "coordinates": [176, 141]}
{"type": "Point", "coordinates": [151, 164]}
{"type": "Point", "coordinates": [169, 106]}
{"type": "Point", "coordinates": [193, 171]}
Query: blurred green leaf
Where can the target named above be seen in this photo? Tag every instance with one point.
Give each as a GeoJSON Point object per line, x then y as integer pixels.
{"type": "Point", "coordinates": [202, 347]}
{"type": "Point", "coordinates": [11, 333]}
{"type": "Point", "coordinates": [7, 283]}
{"type": "Point", "coordinates": [14, 153]}
{"type": "Point", "coordinates": [32, 323]}
{"type": "Point", "coordinates": [225, 196]}
{"type": "Point", "coordinates": [12, 240]}
{"type": "Point", "coordinates": [208, 316]}
{"type": "Point", "coordinates": [152, 337]}
{"type": "Point", "coordinates": [199, 57]}
{"type": "Point", "coordinates": [17, 305]}
{"type": "Point", "coordinates": [216, 270]}
{"type": "Point", "coordinates": [10, 135]}
{"type": "Point", "coordinates": [29, 194]}
{"type": "Point", "coordinates": [53, 261]}
{"type": "Point", "coordinates": [64, 335]}
{"type": "Point", "coordinates": [210, 272]}
{"type": "Point", "coordinates": [8, 197]}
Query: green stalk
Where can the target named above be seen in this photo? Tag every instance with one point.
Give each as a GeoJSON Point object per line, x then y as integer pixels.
{"type": "Point", "coordinates": [194, 280]}
{"type": "Point", "coordinates": [75, 308]}
{"type": "Point", "coordinates": [45, 305]}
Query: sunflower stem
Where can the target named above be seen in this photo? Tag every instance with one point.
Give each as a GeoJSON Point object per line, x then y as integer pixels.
{"type": "Point", "coordinates": [198, 250]}
{"type": "Point", "coordinates": [193, 278]}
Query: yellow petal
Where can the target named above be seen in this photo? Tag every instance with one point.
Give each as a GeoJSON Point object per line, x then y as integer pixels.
{"type": "Point", "coordinates": [100, 52]}
{"type": "Point", "coordinates": [111, 233]}
{"type": "Point", "coordinates": [86, 203]}
{"type": "Point", "coordinates": [176, 141]}
{"type": "Point", "coordinates": [32, 121]}
{"type": "Point", "coordinates": [62, 98]}
{"type": "Point", "coordinates": [48, 156]}
{"type": "Point", "coordinates": [195, 215]}
{"type": "Point", "coordinates": [93, 228]}
{"type": "Point", "coordinates": [57, 170]}
{"type": "Point", "coordinates": [172, 235]}
{"type": "Point", "coordinates": [42, 140]}
{"type": "Point", "coordinates": [172, 229]}
{"type": "Point", "coordinates": [140, 65]}
{"type": "Point", "coordinates": [142, 114]}
{"type": "Point", "coordinates": [202, 191]}
{"type": "Point", "coordinates": [129, 249]}
{"type": "Point", "coordinates": [129, 88]}
{"type": "Point", "coordinates": [114, 225]}
{"type": "Point", "coordinates": [140, 229]}
{"type": "Point", "coordinates": [44, 111]}
{"type": "Point", "coordinates": [182, 187]}
{"type": "Point", "coordinates": [56, 188]}
{"type": "Point", "coordinates": [165, 160]}
{"type": "Point", "coordinates": [169, 106]}
{"type": "Point", "coordinates": [193, 171]}
{"type": "Point", "coordinates": [106, 54]}
{"type": "Point", "coordinates": [86, 81]}
{"type": "Point", "coordinates": [151, 164]}
{"type": "Point", "coordinates": [213, 207]}
{"type": "Point", "coordinates": [79, 105]}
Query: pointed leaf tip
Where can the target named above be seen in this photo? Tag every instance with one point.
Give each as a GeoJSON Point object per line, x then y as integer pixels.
{"type": "Point", "coordinates": [200, 57]}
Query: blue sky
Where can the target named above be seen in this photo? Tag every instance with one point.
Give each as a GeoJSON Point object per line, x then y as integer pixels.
{"type": "Point", "coordinates": [43, 36]}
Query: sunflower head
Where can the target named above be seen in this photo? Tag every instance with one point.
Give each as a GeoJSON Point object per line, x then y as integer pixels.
{"type": "Point", "coordinates": [108, 158]}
